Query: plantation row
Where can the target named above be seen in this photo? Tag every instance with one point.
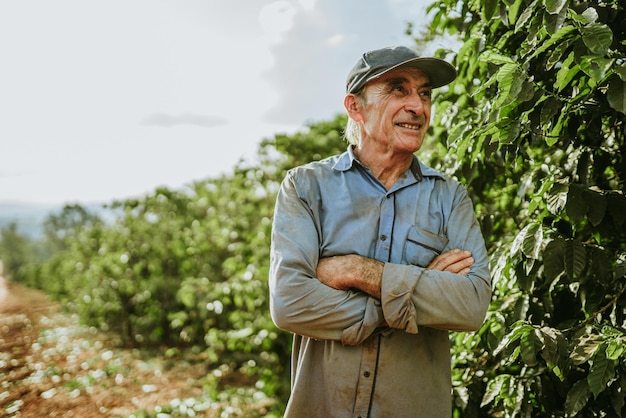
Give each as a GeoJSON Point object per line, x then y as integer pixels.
{"type": "Point", "coordinates": [534, 125]}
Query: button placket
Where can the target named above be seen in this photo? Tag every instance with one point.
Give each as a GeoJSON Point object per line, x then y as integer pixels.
{"type": "Point", "coordinates": [365, 384]}
{"type": "Point", "coordinates": [385, 227]}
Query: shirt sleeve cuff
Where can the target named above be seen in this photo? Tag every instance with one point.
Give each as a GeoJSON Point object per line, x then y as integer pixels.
{"type": "Point", "coordinates": [398, 284]}
{"type": "Point", "coordinates": [372, 319]}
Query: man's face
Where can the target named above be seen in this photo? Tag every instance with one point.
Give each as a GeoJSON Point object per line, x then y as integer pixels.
{"type": "Point", "coordinates": [397, 109]}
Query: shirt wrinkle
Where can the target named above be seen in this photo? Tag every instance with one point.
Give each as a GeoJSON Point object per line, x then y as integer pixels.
{"type": "Point", "coordinates": [352, 353]}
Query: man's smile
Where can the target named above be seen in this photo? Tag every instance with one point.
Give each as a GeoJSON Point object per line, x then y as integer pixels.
{"type": "Point", "coordinates": [415, 127]}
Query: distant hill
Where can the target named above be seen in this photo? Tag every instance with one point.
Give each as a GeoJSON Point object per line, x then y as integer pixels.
{"type": "Point", "coordinates": [29, 217]}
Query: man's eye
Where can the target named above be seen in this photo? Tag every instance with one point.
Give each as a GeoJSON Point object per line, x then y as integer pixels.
{"type": "Point", "coordinates": [427, 93]}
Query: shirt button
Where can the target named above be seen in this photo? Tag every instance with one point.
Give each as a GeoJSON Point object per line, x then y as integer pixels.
{"type": "Point", "coordinates": [366, 374]}
{"type": "Point", "coordinates": [383, 237]}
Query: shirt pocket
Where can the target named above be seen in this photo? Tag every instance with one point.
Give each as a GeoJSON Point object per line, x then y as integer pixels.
{"type": "Point", "coordinates": [423, 246]}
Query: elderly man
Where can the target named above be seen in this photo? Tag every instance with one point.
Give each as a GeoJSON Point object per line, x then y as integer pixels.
{"type": "Point", "coordinates": [375, 256]}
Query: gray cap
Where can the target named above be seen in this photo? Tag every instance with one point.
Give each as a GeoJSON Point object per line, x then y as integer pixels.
{"type": "Point", "coordinates": [375, 63]}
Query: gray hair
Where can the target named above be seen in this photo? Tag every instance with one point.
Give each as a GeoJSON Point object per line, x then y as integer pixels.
{"type": "Point", "coordinates": [352, 133]}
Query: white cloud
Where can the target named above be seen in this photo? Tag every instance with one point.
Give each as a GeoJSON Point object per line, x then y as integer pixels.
{"type": "Point", "coordinates": [165, 120]}
{"type": "Point", "coordinates": [336, 40]}
{"type": "Point", "coordinates": [308, 5]}
{"type": "Point", "coordinates": [276, 18]}
{"type": "Point", "coordinates": [87, 85]}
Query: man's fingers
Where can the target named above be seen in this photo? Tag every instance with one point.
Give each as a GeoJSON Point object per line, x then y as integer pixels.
{"type": "Point", "coordinates": [455, 261]}
{"type": "Point", "coordinates": [443, 260]}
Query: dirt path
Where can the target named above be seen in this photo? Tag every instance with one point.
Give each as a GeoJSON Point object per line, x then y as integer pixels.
{"type": "Point", "coordinates": [19, 299]}
{"type": "Point", "coordinates": [50, 366]}
{"type": "Point", "coordinates": [21, 313]}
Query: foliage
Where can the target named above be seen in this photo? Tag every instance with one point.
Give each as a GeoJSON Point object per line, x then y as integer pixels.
{"type": "Point", "coordinates": [58, 228]}
{"type": "Point", "coordinates": [21, 256]}
{"type": "Point", "coordinates": [15, 250]}
{"type": "Point", "coordinates": [535, 125]}
{"type": "Point", "coordinates": [188, 268]}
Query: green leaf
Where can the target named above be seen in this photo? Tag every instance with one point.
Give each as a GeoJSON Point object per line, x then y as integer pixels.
{"type": "Point", "coordinates": [595, 67]}
{"type": "Point", "coordinates": [509, 130]}
{"type": "Point", "coordinates": [566, 73]}
{"type": "Point", "coordinates": [590, 15]}
{"type": "Point", "coordinates": [493, 57]}
{"type": "Point", "coordinates": [480, 90]}
{"type": "Point", "coordinates": [575, 258]}
{"type": "Point", "coordinates": [577, 206]}
{"type": "Point", "coordinates": [621, 71]}
{"type": "Point", "coordinates": [534, 204]}
{"type": "Point", "coordinates": [513, 11]}
{"type": "Point", "coordinates": [557, 198]}
{"type": "Point", "coordinates": [602, 371]}
{"type": "Point", "coordinates": [497, 388]}
{"type": "Point", "coordinates": [554, 22]}
{"type": "Point", "coordinates": [614, 350]}
{"type": "Point", "coordinates": [525, 16]}
{"type": "Point", "coordinates": [527, 91]}
{"type": "Point", "coordinates": [533, 240]}
{"type": "Point", "coordinates": [585, 349]}
{"type": "Point", "coordinates": [519, 329]}
{"type": "Point", "coordinates": [530, 346]}
{"type": "Point", "coordinates": [616, 94]}
{"type": "Point", "coordinates": [597, 37]}
{"type": "Point", "coordinates": [550, 350]}
{"type": "Point", "coordinates": [555, 6]}
{"type": "Point", "coordinates": [554, 259]}
{"type": "Point", "coordinates": [577, 398]}
{"type": "Point", "coordinates": [516, 246]}
{"type": "Point", "coordinates": [470, 48]}
{"type": "Point", "coordinates": [556, 55]}
{"type": "Point", "coordinates": [489, 8]}
{"type": "Point", "coordinates": [549, 109]}
{"type": "Point", "coordinates": [555, 351]}
{"type": "Point", "coordinates": [597, 207]}
{"type": "Point", "coordinates": [510, 81]}
{"type": "Point", "coordinates": [556, 38]}
{"type": "Point", "coordinates": [617, 399]}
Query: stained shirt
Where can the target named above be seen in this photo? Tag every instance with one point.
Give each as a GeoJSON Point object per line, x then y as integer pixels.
{"type": "Point", "coordinates": [355, 355]}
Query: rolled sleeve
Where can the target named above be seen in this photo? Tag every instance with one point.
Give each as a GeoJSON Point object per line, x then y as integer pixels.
{"type": "Point", "coordinates": [373, 318]}
{"type": "Point", "coordinates": [398, 286]}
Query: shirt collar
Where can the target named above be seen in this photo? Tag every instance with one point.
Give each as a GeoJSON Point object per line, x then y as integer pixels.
{"type": "Point", "coordinates": [419, 169]}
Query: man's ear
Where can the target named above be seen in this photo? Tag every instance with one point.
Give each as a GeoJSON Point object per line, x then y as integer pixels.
{"type": "Point", "coordinates": [353, 107]}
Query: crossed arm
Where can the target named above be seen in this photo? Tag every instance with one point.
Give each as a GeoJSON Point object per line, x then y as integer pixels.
{"type": "Point", "coordinates": [354, 271]}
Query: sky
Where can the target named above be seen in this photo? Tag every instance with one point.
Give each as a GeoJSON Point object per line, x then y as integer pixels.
{"type": "Point", "coordinates": [108, 100]}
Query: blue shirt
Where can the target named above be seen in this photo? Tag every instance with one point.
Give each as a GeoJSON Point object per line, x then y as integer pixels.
{"type": "Point", "coordinates": [355, 355]}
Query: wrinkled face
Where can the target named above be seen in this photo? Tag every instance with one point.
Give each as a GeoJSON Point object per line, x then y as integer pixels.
{"type": "Point", "coordinates": [396, 110]}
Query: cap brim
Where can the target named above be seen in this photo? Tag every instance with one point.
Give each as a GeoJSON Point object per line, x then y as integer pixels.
{"type": "Point", "coordinates": [439, 72]}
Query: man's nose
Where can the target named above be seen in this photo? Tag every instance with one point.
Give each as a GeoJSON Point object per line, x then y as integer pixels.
{"type": "Point", "coordinates": [415, 104]}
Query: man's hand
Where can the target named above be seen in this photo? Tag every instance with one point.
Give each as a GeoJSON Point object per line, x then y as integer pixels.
{"type": "Point", "coordinates": [454, 261]}
{"type": "Point", "coordinates": [344, 272]}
